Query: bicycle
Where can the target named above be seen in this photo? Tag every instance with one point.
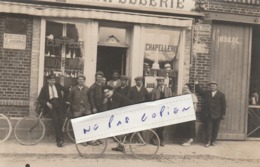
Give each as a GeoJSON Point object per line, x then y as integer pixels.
{"type": "Point", "coordinates": [31, 130]}
{"type": "Point", "coordinates": [5, 128]}
{"type": "Point", "coordinates": [140, 145]}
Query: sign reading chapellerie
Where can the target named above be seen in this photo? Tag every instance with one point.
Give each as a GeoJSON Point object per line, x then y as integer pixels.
{"type": "Point", "coordinates": [184, 5]}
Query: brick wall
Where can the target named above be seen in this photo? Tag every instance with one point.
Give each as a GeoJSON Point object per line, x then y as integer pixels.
{"type": "Point", "coordinates": [15, 68]}
{"type": "Point", "coordinates": [200, 58]}
{"type": "Point", "coordinates": [230, 7]}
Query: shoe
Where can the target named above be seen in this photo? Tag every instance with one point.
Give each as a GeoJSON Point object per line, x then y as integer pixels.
{"type": "Point", "coordinates": [119, 148]}
{"type": "Point", "coordinates": [95, 143]}
{"type": "Point", "coordinates": [162, 144]}
{"type": "Point", "coordinates": [188, 143]}
{"type": "Point", "coordinates": [59, 144]}
{"type": "Point", "coordinates": [207, 145]}
{"type": "Point", "coordinates": [84, 144]}
{"type": "Point", "coordinates": [213, 143]}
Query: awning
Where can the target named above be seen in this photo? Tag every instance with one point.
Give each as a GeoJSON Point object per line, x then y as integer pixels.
{"type": "Point", "coordinates": [87, 13]}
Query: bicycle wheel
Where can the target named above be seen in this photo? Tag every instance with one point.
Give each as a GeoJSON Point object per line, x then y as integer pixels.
{"type": "Point", "coordinates": [5, 128]}
{"type": "Point", "coordinates": [29, 131]}
{"type": "Point", "coordinates": [69, 131]}
{"type": "Point", "coordinates": [92, 149]}
{"type": "Point", "coordinates": [141, 146]}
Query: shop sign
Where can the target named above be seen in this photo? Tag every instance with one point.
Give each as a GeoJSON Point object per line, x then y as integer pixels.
{"type": "Point", "coordinates": [185, 5]}
{"type": "Point", "coordinates": [14, 41]}
{"type": "Point", "coordinates": [200, 48]}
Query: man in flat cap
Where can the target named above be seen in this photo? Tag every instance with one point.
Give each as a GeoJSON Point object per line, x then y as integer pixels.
{"type": "Point", "coordinates": [115, 100]}
{"type": "Point", "coordinates": [160, 92]}
{"type": "Point", "coordinates": [52, 98]}
{"type": "Point", "coordinates": [78, 98]}
{"type": "Point", "coordinates": [213, 111]}
{"type": "Point", "coordinates": [138, 93]}
{"type": "Point", "coordinates": [95, 94]}
{"type": "Point", "coordinates": [124, 88]}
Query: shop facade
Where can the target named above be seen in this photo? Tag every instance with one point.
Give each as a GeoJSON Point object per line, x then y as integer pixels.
{"type": "Point", "coordinates": [234, 62]}
{"type": "Point", "coordinates": [68, 38]}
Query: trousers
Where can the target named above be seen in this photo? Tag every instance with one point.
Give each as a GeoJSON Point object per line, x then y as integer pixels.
{"type": "Point", "coordinates": [57, 116]}
{"type": "Point", "coordinates": [212, 127]}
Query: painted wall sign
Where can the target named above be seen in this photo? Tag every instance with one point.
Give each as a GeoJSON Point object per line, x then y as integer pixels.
{"type": "Point", "coordinates": [134, 118]}
{"type": "Point", "coordinates": [14, 41]}
{"type": "Point", "coordinates": [183, 5]}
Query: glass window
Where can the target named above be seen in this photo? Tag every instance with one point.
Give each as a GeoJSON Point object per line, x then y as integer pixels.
{"type": "Point", "coordinates": [64, 51]}
{"type": "Point", "coordinates": [161, 57]}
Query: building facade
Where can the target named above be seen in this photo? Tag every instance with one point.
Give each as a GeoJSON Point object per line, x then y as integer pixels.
{"type": "Point", "coordinates": [180, 40]}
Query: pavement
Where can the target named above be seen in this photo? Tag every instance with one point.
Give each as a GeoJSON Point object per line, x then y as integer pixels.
{"type": "Point", "coordinates": [228, 150]}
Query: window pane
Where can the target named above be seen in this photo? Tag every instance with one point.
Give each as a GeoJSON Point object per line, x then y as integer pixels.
{"type": "Point", "coordinates": [161, 55]}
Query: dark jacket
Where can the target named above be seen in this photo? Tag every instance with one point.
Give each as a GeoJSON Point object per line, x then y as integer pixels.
{"type": "Point", "coordinates": [117, 101]}
{"type": "Point", "coordinates": [123, 91]}
{"type": "Point", "coordinates": [79, 98]}
{"type": "Point", "coordinates": [156, 93]}
{"type": "Point", "coordinates": [214, 107]}
{"type": "Point", "coordinates": [96, 97]}
{"type": "Point", "coordinates": [44, 96]}
{"type": "Point", "coordinates": [138, 97]}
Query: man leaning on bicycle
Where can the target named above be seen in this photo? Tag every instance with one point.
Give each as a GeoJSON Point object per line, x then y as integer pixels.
{"type": "Point", "coordinates": [52, 99]}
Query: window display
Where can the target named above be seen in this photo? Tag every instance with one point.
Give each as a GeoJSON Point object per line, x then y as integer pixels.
{"type": "Point", "coordinates": [161, 57]}
{"type": "Point", "coordinates": [64, 51]}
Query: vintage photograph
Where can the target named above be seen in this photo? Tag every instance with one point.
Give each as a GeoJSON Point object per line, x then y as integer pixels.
{"type": "Point", "coordinates": [107, 83]}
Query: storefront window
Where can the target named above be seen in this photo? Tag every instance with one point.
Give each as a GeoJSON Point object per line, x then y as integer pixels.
{"type": "Point", "coordinates": [161, 57]}
{"type": "Point", "coordinates": [64, 51]}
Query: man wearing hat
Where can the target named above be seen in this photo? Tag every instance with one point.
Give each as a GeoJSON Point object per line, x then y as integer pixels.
{"type": "Point", "coordinates": [138, 93]}
{"type": "Point", "coordinates": [160, 92]}
{"type": "Point", "coordinates": [95, 94]}
{"type": "Point", "coordinates": [52, 98]}
{"type": "Point", "coordinates": [115, 100]}
{"type": "Point", "coordinates": [213, 111]}
{"type": "Point", "coordinates": [124, 88]}
{"type": "Point", "coordinates": [78, 98]}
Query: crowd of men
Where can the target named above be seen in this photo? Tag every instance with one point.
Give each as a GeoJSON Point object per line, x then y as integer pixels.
{"type": "Point", "coordinates": [105, 95]}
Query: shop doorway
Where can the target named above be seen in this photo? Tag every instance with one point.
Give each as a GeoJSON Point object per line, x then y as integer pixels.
{"type": "Point", "coordinates": [110, 59]}
{"type": "Point", "coordinates": [253, 129]}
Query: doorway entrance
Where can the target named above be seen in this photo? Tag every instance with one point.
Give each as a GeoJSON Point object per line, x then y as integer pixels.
{"type": "Point", "coordinates": [110, 59]}
{"type": "Point", "coordinates": [253, 129]}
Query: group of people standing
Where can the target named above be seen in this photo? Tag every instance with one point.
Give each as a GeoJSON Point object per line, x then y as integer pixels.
{"type": "Point", "coordinates": [102, 96]}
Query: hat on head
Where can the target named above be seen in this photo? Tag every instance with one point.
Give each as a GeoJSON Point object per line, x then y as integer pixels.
{"type": "Point", "coordinates": [99, 73]}
{"type": "Point", "coordinates": [107, 87]}
{"type": "Point", "coordinates": [51, 76]}
{"type": "Point", "coordinates": [167, 65]}
{"type": "Point", "coordinates": [160, 78]}
{"type": "Point", "coordinates": [212, 82]}
{"type": "Point", "coordinates": [81, 76]}
{"type": "Point", "coordinates": [138, 78]}
{"type": "Point", "coordinates": [123, 77]}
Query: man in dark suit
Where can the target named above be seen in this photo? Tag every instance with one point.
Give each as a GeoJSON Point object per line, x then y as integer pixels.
{"type": "Point", "coordinates": [95, 94]}
{"type": "Point", "coordinates": [138, 93]}
{"type": "Point", "coordinates": [115, 100]}
{"type": "Point", "coordinates": [160, 92]}
{"type": "Point", "coordinates": [213, 112]}
{"type": "Point", "coordinates": [124, 88]}
{"type": "Point", "coordinates": [52, 98]}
